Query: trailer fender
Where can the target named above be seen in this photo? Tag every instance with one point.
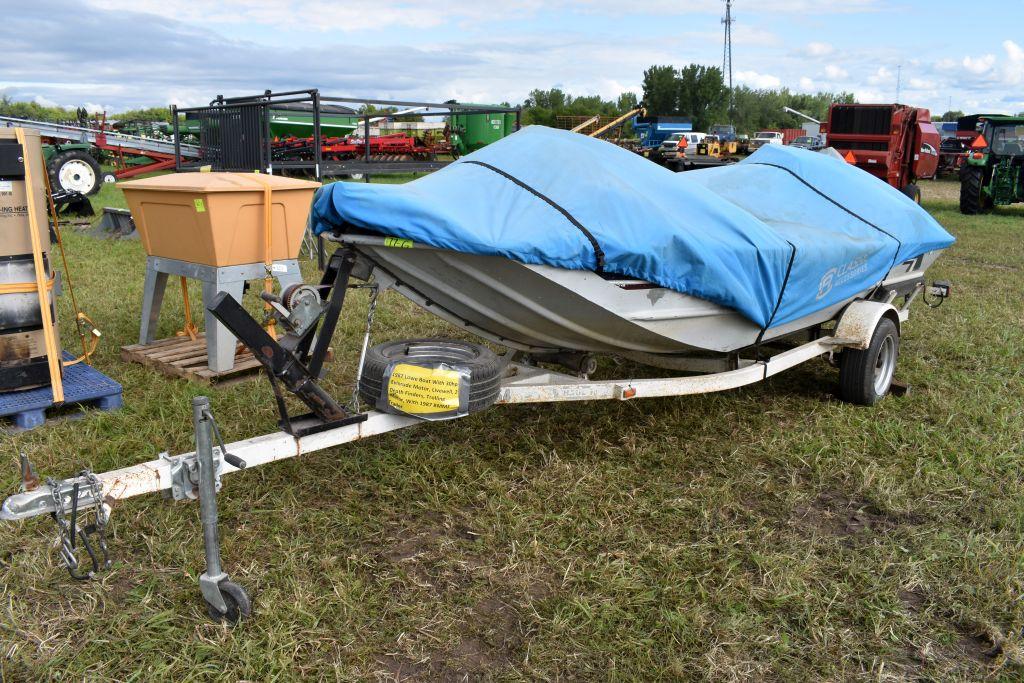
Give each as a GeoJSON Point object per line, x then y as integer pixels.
{"type": "Point", "coordinates": [859, 320]}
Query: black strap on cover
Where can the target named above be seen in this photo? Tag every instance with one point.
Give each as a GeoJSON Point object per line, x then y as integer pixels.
{"type": "Point", "coordinates": [598, 252]}
{"type": "Point", "coordinates": [885, 232]}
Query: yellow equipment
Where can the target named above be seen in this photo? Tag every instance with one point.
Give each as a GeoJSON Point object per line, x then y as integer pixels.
{"type": "Point", "coordinates": [617, 122]}
{"type": "Point", "coordinates": [712, 146]}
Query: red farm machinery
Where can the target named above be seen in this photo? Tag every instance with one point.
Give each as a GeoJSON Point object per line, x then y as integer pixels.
{"type": "Point", "coordinates": [381, 148]}
{"type": "Point", "coordinates": [896, 143]}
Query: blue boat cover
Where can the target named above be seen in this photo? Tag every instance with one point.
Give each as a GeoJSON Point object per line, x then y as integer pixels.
{"type": "Point", "coordinates": [777, 236]}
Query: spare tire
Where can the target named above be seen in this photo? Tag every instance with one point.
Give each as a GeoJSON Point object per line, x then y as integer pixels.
{"type": "Point", "coordinates": [484, 366]}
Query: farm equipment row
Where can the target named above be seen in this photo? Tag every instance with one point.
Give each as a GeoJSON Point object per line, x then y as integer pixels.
{"type": "Point", "coordinates": [378, 147]}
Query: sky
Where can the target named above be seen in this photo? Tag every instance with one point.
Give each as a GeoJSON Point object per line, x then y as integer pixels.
{"type": "Point", "coordinates": [118, 54]}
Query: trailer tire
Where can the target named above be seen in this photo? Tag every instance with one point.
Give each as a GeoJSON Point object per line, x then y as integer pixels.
{"type": "Point", "coordinates": [75, 170]}
{"type": "Point", "coordinates": [485, 367]}
{"type": "Point", "coordinates": [866, 375]}
{"type": "Point", "coordinates": [972, 198]}
{"type": "Point", "coordinates": [913, 191]}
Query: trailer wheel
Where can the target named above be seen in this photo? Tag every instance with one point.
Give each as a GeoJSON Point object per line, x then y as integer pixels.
{"type": "Point", "coordinates": [485, 367]}
{"type": "Point", "coordinates": [972, 199]}
{"type": "Point", "coordinates": [75, 170]}
{"type": "Point", "coordinates": [913, 191]}
{"type": "Point", "coordinates": [237, 601]}
{"type": "Point", "coordinates": [866, 375]}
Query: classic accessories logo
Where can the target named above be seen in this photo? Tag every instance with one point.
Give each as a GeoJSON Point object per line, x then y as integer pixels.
{"type": "Point", "coordinates": [841, 275]}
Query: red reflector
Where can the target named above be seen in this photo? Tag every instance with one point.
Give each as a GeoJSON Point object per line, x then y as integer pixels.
{"type": "Point", "coordinates": [629, 393]}
{"type": "Point", "coordinates": [978, 155]}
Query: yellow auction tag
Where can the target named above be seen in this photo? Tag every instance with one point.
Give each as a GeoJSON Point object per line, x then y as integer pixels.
{"type": "Point", "coordinates": [397, 242]}
{"type": "Point", "coordinates": [417, 390]}
{"type": "Point", "coordinates": [200, 205]}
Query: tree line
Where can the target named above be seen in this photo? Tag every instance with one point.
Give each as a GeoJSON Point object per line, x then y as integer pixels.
{"type": "Point", "coordinates": [54, 114]}
{"type": "Point", "coordinates": [694, 91]}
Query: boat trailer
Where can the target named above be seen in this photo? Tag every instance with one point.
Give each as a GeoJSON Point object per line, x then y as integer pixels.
{"type": "Point", "coordinates": [294, 362]}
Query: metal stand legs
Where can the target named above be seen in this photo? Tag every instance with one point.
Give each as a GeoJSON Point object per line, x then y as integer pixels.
{"type": "Point", "coordinates": [225, 600]}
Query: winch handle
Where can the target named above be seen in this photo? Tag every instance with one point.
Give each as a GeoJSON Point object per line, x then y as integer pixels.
{"type": "Point", "coordinates": [231, 459]}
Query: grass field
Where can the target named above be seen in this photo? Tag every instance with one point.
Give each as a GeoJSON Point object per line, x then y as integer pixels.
{"type": "Point", "coordinates": [770, 533]}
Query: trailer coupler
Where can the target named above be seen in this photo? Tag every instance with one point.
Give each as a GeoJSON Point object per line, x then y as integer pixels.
{"type": "Point", "coordinates": [69, 503]}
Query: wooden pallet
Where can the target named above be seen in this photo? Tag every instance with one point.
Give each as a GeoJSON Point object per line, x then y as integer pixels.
{"type": "Point", "coordinates": [182, 357]}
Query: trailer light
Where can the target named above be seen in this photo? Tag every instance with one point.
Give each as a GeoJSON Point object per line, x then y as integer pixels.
{"type": "Point", "coordinates": [978, 155]}
{"type": "Point", "coordinates": [941, 288]}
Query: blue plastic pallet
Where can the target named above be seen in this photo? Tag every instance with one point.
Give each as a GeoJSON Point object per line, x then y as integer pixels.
{"type": "Point", "coordinates": [82, 384]}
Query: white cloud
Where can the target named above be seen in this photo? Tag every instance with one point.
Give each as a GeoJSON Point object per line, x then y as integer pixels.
{"type": "Point", "coordinates": [746, 35]}
{"type": "Point", "coordinates": [835, 72]}
{"type": "Point", "coordinates": [757, 80]}
{"type": "Point", "coordinates": [868, 95]}
{"type": "Point", "coordinates": [816, 49]}
{"type": "Point", "coordinates": [979, 65]}
{"type": "Point", "coordinates": [372, 15]}
{"type": "Point", "coordinates": [806, 83]}
{"type": "Point", "coordinates": [1014, 66]}
{"type": "Point", "coordinates": [44, 101]}
{"type": "Point", "coordinates": [991, 71]}
{"type": "Point", "coordinates": [882, 76]}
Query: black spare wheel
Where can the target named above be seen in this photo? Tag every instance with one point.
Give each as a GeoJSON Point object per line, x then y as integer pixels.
{"type": "Point", "coordinates": [482, 366]}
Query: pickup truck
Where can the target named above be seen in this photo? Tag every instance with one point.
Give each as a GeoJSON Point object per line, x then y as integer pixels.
{"type": "Point", "coordinates": [766, 137]}
{"type": "Point", "coordinates": [678, 142]}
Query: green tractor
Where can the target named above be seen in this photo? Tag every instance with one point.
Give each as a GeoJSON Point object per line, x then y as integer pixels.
{"type": "Point", "coordinates": [993, 173]}
{"type": "Point", "coordinates": [73, 166]}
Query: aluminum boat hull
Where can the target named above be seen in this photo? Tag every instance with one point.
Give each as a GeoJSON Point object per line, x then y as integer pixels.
{"type": "Point", "coordinates": [543, 309]}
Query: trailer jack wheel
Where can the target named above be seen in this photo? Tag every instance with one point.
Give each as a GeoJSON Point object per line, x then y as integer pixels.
{"type": "Point", "coordinates": [236, 604]}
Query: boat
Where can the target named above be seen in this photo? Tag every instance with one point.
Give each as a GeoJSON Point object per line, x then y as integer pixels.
{"type": "Point", "coordinates": [481, 244]}
{"type": "Point", "coordinates": [543, 309]}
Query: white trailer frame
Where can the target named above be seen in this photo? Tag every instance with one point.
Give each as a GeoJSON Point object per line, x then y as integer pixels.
{"type": "Point", "coordinates": [197, 474]}
{"type": "Point", "coordinates": [523, 384]}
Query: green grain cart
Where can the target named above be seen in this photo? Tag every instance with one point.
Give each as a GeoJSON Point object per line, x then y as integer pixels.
{"type": "Point", "coordinates": [470, 132]}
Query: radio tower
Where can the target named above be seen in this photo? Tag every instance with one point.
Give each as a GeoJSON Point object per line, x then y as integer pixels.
{"type": "Point", "coordinates": [727, 51]}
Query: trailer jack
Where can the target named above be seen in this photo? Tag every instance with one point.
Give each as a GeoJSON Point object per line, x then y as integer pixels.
{"type": "Point", "coordinates": [192, 476]}
{"type": "Point", "coordinates": [225, 600]}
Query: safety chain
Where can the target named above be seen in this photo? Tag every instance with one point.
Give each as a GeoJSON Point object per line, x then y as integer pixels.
{"type": "Point", "coordinates": [69, 532]}
{"type": "Point", "coordinates": [371, 309]}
